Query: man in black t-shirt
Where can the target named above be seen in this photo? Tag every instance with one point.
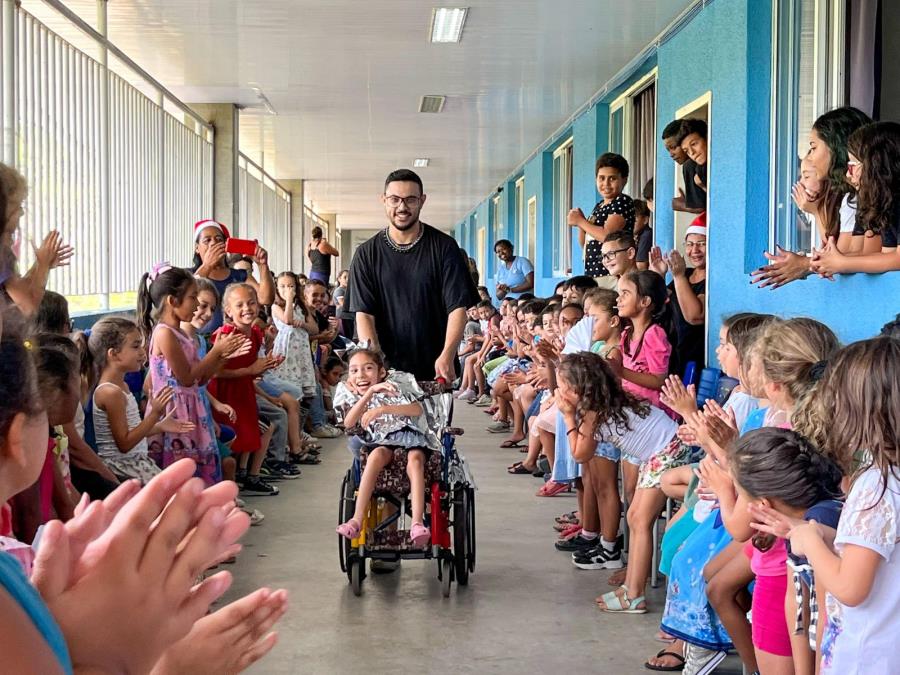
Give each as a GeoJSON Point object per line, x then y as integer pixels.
{"type": "Point", "coordinates": [410, 286]}
{"type": "Point", "coordinates": [692, 198]}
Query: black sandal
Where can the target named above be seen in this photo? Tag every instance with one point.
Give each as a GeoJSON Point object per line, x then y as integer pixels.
{"type": "Point", "coordinates": [666, 652]}
{"type": "Point", "coordinates": [518, 468]}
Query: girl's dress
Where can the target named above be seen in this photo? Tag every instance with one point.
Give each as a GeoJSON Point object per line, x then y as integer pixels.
{"type": "Point", "coordinates": [240, 394]}
{"type": "Point", "coordinates": [135, 463]}
{"type": "Point", "coordinates": [292, 342]}
{"type": "Point", "coordinates": [650, 354]}
{"type": "Point", "coordinates": [392, 431]}
{"type": "Point", "coordinates": [861, 640]}
{"type": "Point", "coordinates": [198, 444]}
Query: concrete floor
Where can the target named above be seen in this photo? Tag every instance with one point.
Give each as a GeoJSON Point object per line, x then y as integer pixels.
{"type": "Point", "coordinates": [527, 609]}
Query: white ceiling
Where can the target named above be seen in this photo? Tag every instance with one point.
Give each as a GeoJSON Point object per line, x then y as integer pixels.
{"type": "Point", "coordinates": [345, 77]}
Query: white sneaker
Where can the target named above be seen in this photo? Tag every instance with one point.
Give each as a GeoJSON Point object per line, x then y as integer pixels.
{"type": "Point", "coordinates": [325, 431]}
{"type": "Point", "coordinates": [468, 395]}
{"type": "Point", "coordinates": [484, 401]}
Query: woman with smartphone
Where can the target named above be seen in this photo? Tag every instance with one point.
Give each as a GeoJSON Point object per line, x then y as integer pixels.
{"type": "Point", "coordinates": [212, 243]}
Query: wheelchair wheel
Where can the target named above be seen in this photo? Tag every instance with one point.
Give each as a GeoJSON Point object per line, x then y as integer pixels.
{"type": "Point", "coordinates": [461, 520]}
{"type": "Point", "coordinates": [446, 576]}
{"type": "Point", "coordinates": [357, 574]}
{"type": "Point", "coordinates": [470, 530]}
{"type": "Point", "coordinates": [345, 512]}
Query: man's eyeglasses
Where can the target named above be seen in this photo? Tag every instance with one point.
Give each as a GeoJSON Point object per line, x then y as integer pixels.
{"type": "Point", "coordinates": [394, 201]}
{"type": "Point", "coordinates": [609, 255]}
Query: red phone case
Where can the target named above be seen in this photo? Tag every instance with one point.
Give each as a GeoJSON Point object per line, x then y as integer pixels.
{"type": "Point", "coordinates": [241, 246]}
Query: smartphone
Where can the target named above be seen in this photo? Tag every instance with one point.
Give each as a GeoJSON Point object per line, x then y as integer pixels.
{"type": "Point", "coordinates": [241, 246]}
{"type": "Point", "coordinates": [537, 338]}
{"type": "Point", "coordinates": [330, 311]}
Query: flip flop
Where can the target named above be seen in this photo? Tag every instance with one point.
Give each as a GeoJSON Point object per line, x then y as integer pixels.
{"type": "Point", "coordinates": [518, 469]}
{"type": "Point", "coordinates": [551, 489]}
{"type": "Point", "coordinates": [669, 669]}
{"type": "Point", "coordinates": [512, 444]}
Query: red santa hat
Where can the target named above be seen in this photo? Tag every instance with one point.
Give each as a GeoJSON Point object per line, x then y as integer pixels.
{"type": "Point", "coordinates": [201, 225]}
{"type": "Point", "coordinates": [698, 226]}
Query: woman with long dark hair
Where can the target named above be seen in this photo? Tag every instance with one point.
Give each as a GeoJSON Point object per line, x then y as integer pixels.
{"type": "Point", "coordinates": [832, 207]}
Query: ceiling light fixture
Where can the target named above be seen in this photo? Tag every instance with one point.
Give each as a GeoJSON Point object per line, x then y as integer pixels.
{"type": "Point", "coordinates": [263, 99]}
{"type": "Point", "coordinates": [432, 104]}
{"type": "Point", "coordinates": [447, 23]}
{"type": "Point", "coordinates": [420, 163]}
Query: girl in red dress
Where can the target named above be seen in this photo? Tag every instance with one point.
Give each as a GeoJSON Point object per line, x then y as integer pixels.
{"type": "Point", "coordinates": [233, 385]}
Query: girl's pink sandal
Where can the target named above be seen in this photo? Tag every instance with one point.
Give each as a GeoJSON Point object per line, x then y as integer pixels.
{"type": "Point", "coordinates": [420, 535]}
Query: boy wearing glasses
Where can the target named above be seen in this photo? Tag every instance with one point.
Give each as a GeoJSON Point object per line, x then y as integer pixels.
{"type": "Point", "coordinates": [619, 255]}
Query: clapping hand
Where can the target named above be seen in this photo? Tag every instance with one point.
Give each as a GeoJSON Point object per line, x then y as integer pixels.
{"type": "Point", "coordinates": [53, 252]}
{"type": "Point", "coordinates": [657, 261]}
{"type": "Point", "coordinates": [679, 398]}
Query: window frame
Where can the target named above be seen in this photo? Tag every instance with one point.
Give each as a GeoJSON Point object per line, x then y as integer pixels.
{"type": "Point", "coordinates": [624, 105]}
{"type": "Point", "coordinates": [521, 229]}
{"type": "Point", "coordinates": [829, 90]}
{"type": "Point", "coordinates": [561, 236]}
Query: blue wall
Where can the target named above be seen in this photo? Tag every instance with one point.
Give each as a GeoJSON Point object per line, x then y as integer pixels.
{"type": "Point", "coordinates": [725, 50]}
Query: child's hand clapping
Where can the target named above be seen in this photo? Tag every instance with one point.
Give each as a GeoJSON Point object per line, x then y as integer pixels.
{"type": "Point", "coordinates": [679, 398]}
{"type": "Point", "coordinates": [174, 426]}
{"type": "Point", "coordinates": [686, 434]}
{"type": "Point", "coordinates": [226, 410]}
{"type": "Point", "coordinates": [715, 476]}
{"type": "Point", "coordinates": [721, 426]}
{"type": "Point", "coordinates": [264, 364]}
{"type": "Point", "coordinates": [53, 252]}
{"type": "Point", "coordinates": [160, 400]}
{"type": "Point", "coordinates": [768, 520]}
{"type": "Point", "coordinates": [232, 345]}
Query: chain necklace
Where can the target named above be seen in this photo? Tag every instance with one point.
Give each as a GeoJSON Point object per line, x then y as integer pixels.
{"type": "Point", "coordinates": [403, 248]}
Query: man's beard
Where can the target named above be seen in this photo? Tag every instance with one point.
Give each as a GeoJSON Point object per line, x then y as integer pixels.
{"type": "Point", "coordinates": [405, 226]}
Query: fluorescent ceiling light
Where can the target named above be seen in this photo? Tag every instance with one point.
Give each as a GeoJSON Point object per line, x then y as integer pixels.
{"type": "Point", "coordinates": [447, 23]}
{"type": "Point", "coordinates": [432, 103]}
{"type": "Point", "coordinates": [420, 163]}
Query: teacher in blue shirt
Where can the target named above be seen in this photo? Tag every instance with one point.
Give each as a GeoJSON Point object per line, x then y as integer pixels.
{"type": "Point", "coordinates": [515, 274]}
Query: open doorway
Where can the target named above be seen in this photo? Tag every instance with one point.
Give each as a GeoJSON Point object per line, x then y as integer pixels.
{"type": "Point", "coordinates": [699, 109]}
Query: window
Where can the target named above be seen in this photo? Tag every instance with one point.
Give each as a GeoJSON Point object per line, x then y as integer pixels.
{"type": "Point", "coordinates": [632, 131]}
{"type": "Point", "coordinates": [808, 73]}
{"type": "Point", "coordinates": [562, 202]}
{"type": "Point", "coordinates": [519, 235]}
{"type": "Point", "coordinates": [481, 252]}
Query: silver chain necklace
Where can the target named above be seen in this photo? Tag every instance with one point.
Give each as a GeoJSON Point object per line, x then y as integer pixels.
{"type": "Point", "coordinates": [403, 248]}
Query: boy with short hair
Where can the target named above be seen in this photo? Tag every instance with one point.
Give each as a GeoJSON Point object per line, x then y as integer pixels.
{"type": "Point", "coordinates": [691, 199]}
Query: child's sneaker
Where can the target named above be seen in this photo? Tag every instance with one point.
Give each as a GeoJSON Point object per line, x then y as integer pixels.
{"type": "Point", "coordinates": [468, 395]}
{"type": "Point", "coordinates": [598, 558]}
{"type": "Point", "coordinates": [254, 485]}
{"type": "Point", "coordinates": [484, 401]}
{"type": "Point", "coordinates": [256, 516]}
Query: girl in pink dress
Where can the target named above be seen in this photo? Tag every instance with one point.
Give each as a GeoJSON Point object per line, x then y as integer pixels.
{"type": "Point", "coordinates": [167, 296]}
{"type": "Point", "coordinates": [645, 343]}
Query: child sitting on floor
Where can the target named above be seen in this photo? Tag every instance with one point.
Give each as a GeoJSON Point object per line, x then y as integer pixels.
{"type": "Point", "coordinates": [391, 420]}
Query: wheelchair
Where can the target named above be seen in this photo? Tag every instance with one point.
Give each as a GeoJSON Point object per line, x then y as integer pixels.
{"type": "Point", "coordinates": [449, 506]}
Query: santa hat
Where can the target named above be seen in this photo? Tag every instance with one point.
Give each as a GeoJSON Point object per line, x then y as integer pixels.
{"type": "Point", "coordinates": [201, 225]}
{"type": "Point", "coordinates": [698, 226]}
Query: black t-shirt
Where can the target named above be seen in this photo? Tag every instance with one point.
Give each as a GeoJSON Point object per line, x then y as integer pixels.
{"type": "Point", "coordinates": [690, 339]}
{"type": "Point", "coordinates": [694, 195]}
{"type": "Point", "coordinates": [644, 244]}
{"type": "Point", "coordinates": [622, 205]}
{"type": "Point", "coordinates": [410, 295]}
{"type": "Point", "coordinates": [321, 262]}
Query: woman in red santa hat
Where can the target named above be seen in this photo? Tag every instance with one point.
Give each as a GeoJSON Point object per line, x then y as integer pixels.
{"type": "Point", "coordinates": [210, 262]}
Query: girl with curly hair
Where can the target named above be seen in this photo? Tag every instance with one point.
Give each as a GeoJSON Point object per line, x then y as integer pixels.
{"type": "Point", "coordinates": [873, 168]}
{"type": "Point", "coordinates": [599, 415]}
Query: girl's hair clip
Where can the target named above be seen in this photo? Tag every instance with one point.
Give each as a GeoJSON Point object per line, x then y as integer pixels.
{"type": "Point", "coordinates": [157, 269]}
{"type": "Point", "coordinates": [27, 344]}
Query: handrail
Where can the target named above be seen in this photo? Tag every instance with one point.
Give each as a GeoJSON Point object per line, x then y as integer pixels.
{"type": "Point", "coordinates": [85, 27]}
{"type": "Point", "coordinates": [265, 173]}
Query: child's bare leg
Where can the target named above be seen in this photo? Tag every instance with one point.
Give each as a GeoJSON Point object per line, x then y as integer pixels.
{"type": "Point", "coordinates": [590, 511]}
{"type": "Point", "coordinates": [675, 481]}
{"type": "Point", "coordinates": [518, 421]}
{"type": "Point", "coordinates": [629, 480]}
{"type": "Point", "coordinates": [378, 458]}
{"type": "Point", "coordinates": [605, 474]}
{"type": "Point", "coordinates": [292, 407]}
{"type": "Point", "coordinates": [548, 445]}
{"type": "Point", "coordinates": [229, 466]}
{"type": "Point", "coordinates": [415, 469]}
{"type": "Point", "coordinates": [642, 512]}
{"type": "Point", "coordinates": [479, 380]}
{"type": "Point", "coordinates": [728, 575]}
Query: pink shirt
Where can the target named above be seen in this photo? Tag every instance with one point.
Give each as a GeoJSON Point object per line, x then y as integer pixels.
{"type": "Point", "coordinates": [650, 354]}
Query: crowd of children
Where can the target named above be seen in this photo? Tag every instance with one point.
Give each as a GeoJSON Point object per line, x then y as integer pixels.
{"type": "Point", "coordinates": [159, 423]}
{"type": "Point", "coordinates": [781, 483]}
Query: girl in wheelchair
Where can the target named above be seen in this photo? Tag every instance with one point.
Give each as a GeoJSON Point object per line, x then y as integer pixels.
{"type": "Point", "coordinates": [388, 417]}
